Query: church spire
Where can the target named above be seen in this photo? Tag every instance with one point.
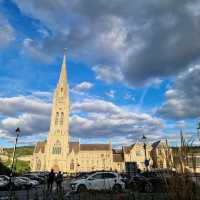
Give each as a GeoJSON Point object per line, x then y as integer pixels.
{"type": "Point", "coordinates": [63, 78]}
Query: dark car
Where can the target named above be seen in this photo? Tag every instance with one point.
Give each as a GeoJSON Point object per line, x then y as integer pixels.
{"type": "Point", "coordinates": [19, 183]}
{"type": "Point", "coordinates": [4, 182]}
{"type": "Point", "coordinates": [40, 179]}
{"type": "Point", "coordinates": [139, 183]}
{"type": "Point", "coordinates": [159, 179]}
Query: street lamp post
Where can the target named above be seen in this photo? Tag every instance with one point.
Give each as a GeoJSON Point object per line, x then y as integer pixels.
{"type": "Point", "coordinates": [198, 131]}
{"type": "Point", "coordinates": [146, 161]}
{"type": "Point", "coordinates": [13, 161]}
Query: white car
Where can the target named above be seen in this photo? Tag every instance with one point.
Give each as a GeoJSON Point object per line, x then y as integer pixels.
{"type": "Point", "coordinates": [99, 181]}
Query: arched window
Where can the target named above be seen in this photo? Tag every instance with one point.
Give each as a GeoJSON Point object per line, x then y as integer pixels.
{"type": "Point", "coordinates": [72, 165]}
{"type": "Point", "coordinates": [56, 148]}
{"type": "Point", "coordinates": [61, 118]}
{"type": "Point", "coordinates": [57, 116]}
{"type": "Point", "coordinates": [38, 165]}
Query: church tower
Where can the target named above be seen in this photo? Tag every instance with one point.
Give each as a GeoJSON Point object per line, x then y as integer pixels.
{"type": "Point", "coordinates": [57, 147]}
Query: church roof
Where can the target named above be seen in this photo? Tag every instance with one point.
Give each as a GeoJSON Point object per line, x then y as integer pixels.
{"type": "Point", "coordinates": [127, 149]}
{"type": "Point", "coordinates": [95, 147]}
{"type": "Point", "coordinates": [118, 157]}
{"type": "Point", "coordinates": [74, 146]}
{"type": "Point", "coordinates": [40, 146]}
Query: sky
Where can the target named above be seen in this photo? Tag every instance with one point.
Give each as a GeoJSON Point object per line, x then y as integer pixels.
{"type": "Point", "coordinates": [133, 69]}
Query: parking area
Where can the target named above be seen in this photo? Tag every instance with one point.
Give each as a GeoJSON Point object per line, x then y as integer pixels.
{"type": "Point", "coordinates": [100, 186]}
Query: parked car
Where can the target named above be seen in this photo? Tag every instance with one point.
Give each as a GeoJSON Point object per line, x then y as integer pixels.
{"type": "Point", "coordinates": [82, 175]}
{"type": "Point", "coordinates": [159, 179]}
{"type": "Point", "coordinates": [4, 182]}
{"type": "Point", "coordinates": [139, 183]}
{"type": "Point", "coordinates": [40, 179]}
{"type": "Point", "coordinates": [20, 183]}
{"type": "Point", "coordinates": [99, 181]}
{"type": "Point", "coordinates": [34, 183]}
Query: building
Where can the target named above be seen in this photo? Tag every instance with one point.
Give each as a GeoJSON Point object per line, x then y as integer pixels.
{"type": "Point", "coordinates": [59, 153]}
{"type": "Point", "coordinates": [1, 150]}
{"type": "Point", "coordinates": [193, 162]}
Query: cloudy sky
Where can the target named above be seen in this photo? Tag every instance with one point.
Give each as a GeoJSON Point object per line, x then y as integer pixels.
{"type": "Point", "coordinates": [133, 68]}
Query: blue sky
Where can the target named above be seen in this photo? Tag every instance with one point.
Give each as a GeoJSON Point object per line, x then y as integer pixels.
{"type": "Point", "coordinates": [133, 68]}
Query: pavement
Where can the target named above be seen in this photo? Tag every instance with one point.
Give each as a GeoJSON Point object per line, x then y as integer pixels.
{"type": "Point", "coordinates": [37, 193]}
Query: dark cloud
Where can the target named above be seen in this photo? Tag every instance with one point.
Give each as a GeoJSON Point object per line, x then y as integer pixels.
{"type": "Point", "coordinates": [144, 39]}
{"type": "Point", "coordinates": [182, 100]}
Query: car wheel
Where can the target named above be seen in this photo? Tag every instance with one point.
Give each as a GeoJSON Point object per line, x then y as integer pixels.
{"type": "Point", "coordinates": [148, 187]}
{"type": "Point", "coordinates": [117, 188]}
{"type": "Point", "coordinates": [81, 188]}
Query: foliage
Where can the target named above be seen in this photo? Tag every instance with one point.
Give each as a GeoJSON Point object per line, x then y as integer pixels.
{"type": "Point", "coordinates": [4, 169]}
{"type": "Point", "coordinates": [20, 166]}
{"type": "Point", "coordinates": [20, 151]}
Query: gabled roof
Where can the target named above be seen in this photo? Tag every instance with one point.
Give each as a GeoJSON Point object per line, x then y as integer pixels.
{"type": "Point", "coordinates": [127, 149]}
{"type": "Point", "coordinates": [40, 146]}
{"type": "Point", "coordinates": [118, 157]}
{"type": "Point", "coordinates": [95, 147]}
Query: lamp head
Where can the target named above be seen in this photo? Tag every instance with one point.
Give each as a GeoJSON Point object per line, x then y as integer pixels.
{"type": "Point", "coordinates": [17, 130]}
{"type": "Point", "coordinates": [144, 137]}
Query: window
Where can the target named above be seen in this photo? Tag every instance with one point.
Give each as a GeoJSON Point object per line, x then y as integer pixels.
{"type": "Point", "coordinates": [139, 153]}
{"type": "Point", "coordinates": [61, 118]}
{"type": "Point", "coordinates": [38, 165]}
{"type": "Point", "coordinates": [61, 92]}
{"type": "Point", "coordinates": [97, 176]}
{"type": "Point", "coordinates": [57, 148]}
{"type": "Point", "coordinates": [197, 161]}
{"type": "Point", "coordinates": [57, 116]}
{"type": "Point", "coordinates": [109, 175]}
{"type": "Point", "coordinates": [72, 165]}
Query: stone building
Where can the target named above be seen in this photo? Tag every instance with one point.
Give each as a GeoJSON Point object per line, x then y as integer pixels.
{"type": "Point", "coordinates": [59, 153]}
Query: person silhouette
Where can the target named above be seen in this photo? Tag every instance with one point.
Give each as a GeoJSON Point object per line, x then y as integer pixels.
{"type": "Point", "coordinates": [50, 180]}
{"type": "Point", "coordinates": [59, 180]}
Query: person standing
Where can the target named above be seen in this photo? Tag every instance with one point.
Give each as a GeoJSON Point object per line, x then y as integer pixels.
{"type": "Point", "coordinates": [59, 180]}
{"type": "Point", "coordinates": [50, 180]}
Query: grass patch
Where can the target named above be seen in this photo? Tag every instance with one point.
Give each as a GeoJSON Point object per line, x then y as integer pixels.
{"type": "Point", "coordinates": [20, 151]}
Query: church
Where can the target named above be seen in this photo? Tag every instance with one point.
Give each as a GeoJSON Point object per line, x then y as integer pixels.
{"type": "Point", "coordinates": [61, 154]}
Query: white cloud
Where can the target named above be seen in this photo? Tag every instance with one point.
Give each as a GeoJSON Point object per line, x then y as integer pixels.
{"type": "Point", "coordinates": [7, 33]}
{"type": "Point", "coordinates": [111, 94]}
{"type": "Point", "coordinates": [128, 96]}
{"type": "Point", "coordinates": [12, 106]}
{"type": "Point", "coordinates": [35, 50]}
{"type": "Point", "coordinates": [108, 73]}
{"type": "Point", "coordinates": [84, 86]}
{"type": "Point", "coordinates": [90, 118]}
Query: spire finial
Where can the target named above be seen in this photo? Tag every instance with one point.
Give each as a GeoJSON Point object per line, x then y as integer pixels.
{"type": "Point", "coordinates": [63, 68]}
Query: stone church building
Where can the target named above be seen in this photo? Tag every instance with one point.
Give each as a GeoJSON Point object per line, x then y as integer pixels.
{"type": "Point", "coordinates": [60, 154]}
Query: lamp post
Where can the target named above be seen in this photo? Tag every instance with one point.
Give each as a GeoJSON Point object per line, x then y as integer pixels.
{"type": "Point", "coordinates": [13, 161]}
{"type": "Point", "coordinates": [198, 131]}
{"type": "Point", "coordinates": [146, 161]}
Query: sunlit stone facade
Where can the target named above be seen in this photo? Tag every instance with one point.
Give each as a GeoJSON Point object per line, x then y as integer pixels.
{"type": "Point", "coordinates": [59, 153]}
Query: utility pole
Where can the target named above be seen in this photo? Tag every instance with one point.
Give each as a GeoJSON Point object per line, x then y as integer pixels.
{"type": "Point", "coordinates": [146, 161]}
{"type": "Point", "coordinates": [12, 172]}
